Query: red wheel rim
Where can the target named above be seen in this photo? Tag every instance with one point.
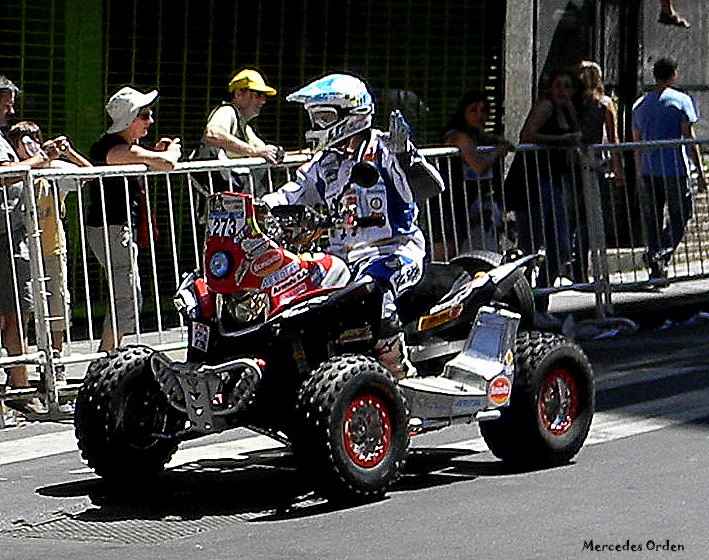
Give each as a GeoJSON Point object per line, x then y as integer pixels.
{"type": "Point", "coordinates": [366, 430]}
{"type": "Point", "coordinates": [558, 402]}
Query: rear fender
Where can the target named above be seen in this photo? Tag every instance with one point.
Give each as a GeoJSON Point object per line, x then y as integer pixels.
{"type": "Point", "coordinates": [505, 276]}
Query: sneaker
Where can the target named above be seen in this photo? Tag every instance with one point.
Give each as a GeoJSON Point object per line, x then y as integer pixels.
{"type": "Point", "coordinates": [657, 267]}
{"type": "Point", "coordinates": [67, 407]}
{"type": "Point", "coordinates": [60, 376]}
{"type": "Point", "coordinates": [27, 407]}
{"type": "Point", "coordinates": [8, 416]}
{"type": "Point", "coordinates": [673, 19]}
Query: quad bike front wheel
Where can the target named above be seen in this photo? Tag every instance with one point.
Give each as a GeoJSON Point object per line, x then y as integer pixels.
{"type": "Point", "coordinates": [123, 421]}
{"type": "Point", "coordinates": [353, 434]}
{"type": "Point", "coordinates": [551, 407]}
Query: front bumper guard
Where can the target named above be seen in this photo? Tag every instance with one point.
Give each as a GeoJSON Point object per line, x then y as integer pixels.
{"type": "Point", "coordinates": [208, 394]}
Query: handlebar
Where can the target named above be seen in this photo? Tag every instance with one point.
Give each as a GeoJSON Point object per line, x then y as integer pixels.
{"type": "Point", "coordinates": [307, 218]}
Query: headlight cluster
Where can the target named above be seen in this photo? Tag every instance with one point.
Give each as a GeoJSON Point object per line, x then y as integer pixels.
{"type": "Point", "coordinates": [244, 307]}
{"type": "Point", "coordinates": [220, 264]}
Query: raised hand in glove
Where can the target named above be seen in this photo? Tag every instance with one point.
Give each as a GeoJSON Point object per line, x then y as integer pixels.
{"type": "Point", "coordinates": [399, 132]}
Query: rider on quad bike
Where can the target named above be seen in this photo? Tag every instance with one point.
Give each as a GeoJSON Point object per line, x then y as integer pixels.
{"type": "Point", "coordinates": [281, 342]}
{"type": "Point", "coordinates": [386, 243]}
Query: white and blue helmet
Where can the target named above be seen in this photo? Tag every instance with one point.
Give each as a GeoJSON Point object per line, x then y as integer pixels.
{"type": "Point", "coordinates": [339, 106]}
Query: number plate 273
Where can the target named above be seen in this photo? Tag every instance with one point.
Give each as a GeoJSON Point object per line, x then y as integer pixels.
{"type": "Point", "coordinates": [225, 224]}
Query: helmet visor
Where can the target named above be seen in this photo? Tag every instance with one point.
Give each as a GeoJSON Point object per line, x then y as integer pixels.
{"type": "Point", "coordinates": [322, 117]}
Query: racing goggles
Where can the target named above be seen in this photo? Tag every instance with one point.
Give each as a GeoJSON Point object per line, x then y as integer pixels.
{"type": "Point", "coordinates": [323, 116]}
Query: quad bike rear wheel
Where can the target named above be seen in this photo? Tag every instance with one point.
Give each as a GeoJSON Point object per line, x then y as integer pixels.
{"type": "Point", "coordinates": [551, 406]}
{"type": "Point", "coordinates": [122, 420]}
{"type": "Point", "coordinates": [353, 436]}
{"type": "Point", "coordinates": [520, 297]}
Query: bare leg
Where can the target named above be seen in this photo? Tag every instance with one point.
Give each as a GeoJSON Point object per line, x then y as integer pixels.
{"type": "Point", "coordinates": [109, 341]}
{"type": "Point", "coordinates": [16, 346]}
{"type": "Point", "coordinates": [58, 341]}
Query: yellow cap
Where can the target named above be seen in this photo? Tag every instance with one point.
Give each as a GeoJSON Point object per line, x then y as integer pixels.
{"type": "Point", "coordinates": [252, 80]}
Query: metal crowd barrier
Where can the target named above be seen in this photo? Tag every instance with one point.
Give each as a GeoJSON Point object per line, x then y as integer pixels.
{"type": "Point", "coordinates": [597, 219]}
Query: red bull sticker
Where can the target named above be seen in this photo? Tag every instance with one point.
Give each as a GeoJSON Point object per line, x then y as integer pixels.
{"type": "Point", "coordinates": [499, 390]}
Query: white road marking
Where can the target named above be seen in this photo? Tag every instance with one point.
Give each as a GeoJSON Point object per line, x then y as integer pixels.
{"type": "Point", "coordinates": [649, 416]}
{"type": "Point", "coordinates": [225, 450]}
{"type": "Point", "coordinates": [629, 420]}
{"type": "Point", "coordinates": [33, 447]}
{"type": "Point", "coordinates": [617, 379]}
{"type": "Point", "coordinates": [607, 426]}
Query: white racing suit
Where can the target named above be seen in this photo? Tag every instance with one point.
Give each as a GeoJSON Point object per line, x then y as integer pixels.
{"type": "Point", "coordinates": [393, 253]}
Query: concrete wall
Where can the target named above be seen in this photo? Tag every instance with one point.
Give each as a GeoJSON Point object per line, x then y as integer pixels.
{"type": "Point", "coordinates": [623, 36]}
{"type": "Point", "coordinates": [519, 65]}
{"type": "Point", "coordinates": [541, 35]}
{"type": "Point", "coordinates": [690, 47]}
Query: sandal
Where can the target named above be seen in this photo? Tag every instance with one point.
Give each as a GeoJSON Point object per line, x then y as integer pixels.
{"type": "Point", "coordinates": [673, 19]}
{"type": "Point", "coordinates": [31, 407]}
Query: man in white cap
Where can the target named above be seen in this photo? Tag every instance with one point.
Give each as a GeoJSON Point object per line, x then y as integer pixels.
{"type": "Point", "coordinates": [228, 133]}
{"type": "Point", "coordinates": [131, 113]}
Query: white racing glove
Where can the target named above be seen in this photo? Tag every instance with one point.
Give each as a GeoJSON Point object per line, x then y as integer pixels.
{"type": "Point", "coordinates": [399, 132]}
{"type": "Point", "coordinates": [424, 179]}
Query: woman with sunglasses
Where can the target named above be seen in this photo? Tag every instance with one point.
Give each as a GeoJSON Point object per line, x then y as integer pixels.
{"type": "Point", "coordinates": [114, 202]}
{"type": "Point", "coordinates": [541, 181]}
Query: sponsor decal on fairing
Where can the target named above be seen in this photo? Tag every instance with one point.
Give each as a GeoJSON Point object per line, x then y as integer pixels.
{"type": "Point", "coordinates": [267, 263]}
{"type": "Point", "coordinates": [499, 390]}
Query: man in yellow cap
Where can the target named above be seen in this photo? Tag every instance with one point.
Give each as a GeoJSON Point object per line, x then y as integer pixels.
{"type": "Point", "coordinates": [228, 134]}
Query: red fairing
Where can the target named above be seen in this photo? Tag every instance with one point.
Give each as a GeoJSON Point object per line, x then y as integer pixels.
{"type": "Point", "coordinates": [206, 298]}
{"type": "Point", "coordinates": [254, 261]}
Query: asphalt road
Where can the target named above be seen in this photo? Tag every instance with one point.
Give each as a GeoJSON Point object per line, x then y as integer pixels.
{"type": "Point", "coordinates": [641, 482]}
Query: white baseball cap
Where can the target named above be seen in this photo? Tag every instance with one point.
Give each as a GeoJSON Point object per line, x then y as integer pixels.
{"type": "Point", "coordinates": [124, 105]}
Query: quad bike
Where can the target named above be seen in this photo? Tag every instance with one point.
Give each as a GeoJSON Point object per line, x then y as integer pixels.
{"type": "Point", "coordinates": [282, 342]}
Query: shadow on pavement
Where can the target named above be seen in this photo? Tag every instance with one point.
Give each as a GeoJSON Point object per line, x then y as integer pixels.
{"type": "Point", "coordinates": [264, 486]}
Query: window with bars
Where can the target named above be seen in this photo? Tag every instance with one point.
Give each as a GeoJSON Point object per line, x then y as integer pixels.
{"type": "Point", "coordinates": [419, 55]}
{"type": "Point", "coordinates": [32, 48]}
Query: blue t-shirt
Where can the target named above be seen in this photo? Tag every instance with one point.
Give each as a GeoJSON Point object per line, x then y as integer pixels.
{"type": "Point", "coordinates": [660, 116]}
